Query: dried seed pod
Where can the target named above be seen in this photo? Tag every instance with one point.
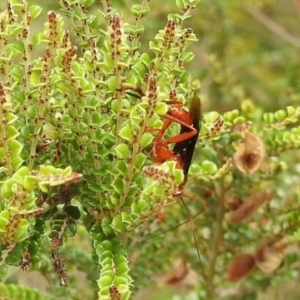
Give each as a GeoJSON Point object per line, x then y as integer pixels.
{"type": "Point", "coordinates": [240, 266]}
{"type": "Point", "coordinates": [114, 293]}
{"type": "Point", "coordinates": [44, 145]}
{"type": "Point", "coordinates": [269, 255]}
{"type": "Point", "coordinates": [249, 207]}
{"type": "Point", "coordinates": [250, 153]}
{"type": "Point", "coordinates": [26, 261]}
{"type": "Point", "coordinates": [59, 268]}
{"type": "Point", "coordinates": [233, 203]}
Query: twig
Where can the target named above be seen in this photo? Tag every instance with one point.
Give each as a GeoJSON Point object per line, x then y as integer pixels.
{"type": "Point", "coordinates": [297, 5]}
{"type": "Point", "coordinates": [217, 239]}
{"type": "Point", "coordinates": [273, 26]}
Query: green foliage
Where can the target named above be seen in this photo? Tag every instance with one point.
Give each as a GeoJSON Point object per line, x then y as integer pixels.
{"type": "Point", "coordinates": [14, 292]}
{"type": "Point", "coordinates": [80, 110]}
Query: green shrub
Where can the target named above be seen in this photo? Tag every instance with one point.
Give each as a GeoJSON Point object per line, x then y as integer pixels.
{"type": "Point", "coordinates": [76, 108]}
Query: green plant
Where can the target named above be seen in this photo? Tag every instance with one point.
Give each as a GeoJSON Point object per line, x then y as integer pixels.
{"type": "Point", "coordinates": [75, 151]}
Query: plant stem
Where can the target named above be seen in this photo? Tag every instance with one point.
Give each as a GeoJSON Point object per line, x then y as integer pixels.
{"type": "Point", "coordinates": [217, 238]}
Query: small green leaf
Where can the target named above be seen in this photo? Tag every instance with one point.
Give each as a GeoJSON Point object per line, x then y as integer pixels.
{"type": "Point", "coordinates": [144, 205]}
{"type": "Point", "coordinates": [35, 78]}
{"type": "Point", "coordinates": [121, 167]}
{"type": "Point", "coordinates": [16, 47]}
{"type": "Point", "coordinates": [120, 280]}
{"type": "Point", "coordinates": [4, 219]}
{"type": "Point", "coordinates": [269, 117]}
{"type": "Point", "coordinates": [35, 11]}
{"type": "Point", "coordinates": [96, 118]}
{"type": "Point", "coordinates": [138, 10]}
{"type": "Point", "coordinates": [20, 174]}
{"type": "Point", "coordinates": [31, 111]}
{"type": "Point", "coordinates": [15, 256]}
{"type": "Point", "coordinates": [40, 226]}
{"type": "Point", "coordinates": [118, 225]}
{"type": "Point", "coordinates": [71, 227]}
{"type": "Point", "coordinates": [280, 115]}
{"type": "Point", "coordinates": [188, 56]}
{"type": "Point", "coordinates": [122, 151]}
{"type": "Point", "coordinates": [135, 210]}
{"type": "Point", "coordinates": [140, 160]}
{"type": "Point", "coordinates": [139, 68]}
{"type": "Point", "coordinates": [118, 185]}
{"type": "Point", "coordinates": [123, 267]}
{"type": "Point", "coordinates": [121, 258]}
{"type": "Point", "coordinates": [107, 261]}
{"type": "Point", "coordinates": [15, 147]}
{"type": "Point", "coordinates": [209, 167]}
{"type": "Point", "coordinates": [109, 273]}
{"type": "Point", "coordinates": [145, 58]}
{"type": "Point", "coordinates": [107, 245]}
{"type": "Point", "coordinates": [123, 288]}
{"type": "Point", "coordinates": [239, 120]}
{"type": "Point", "coordinates": [104, 293]}
{"type": "Point", "coordinates": [153, 47]}
{"type": "Point", "coordinates": [22, 231]}
{"type": "Point", "coordinates": [17, 162]}
{"type": "Point", "coordinates": [179, 176]}
{"type": "Point", "coordinates": [36, 260]}
{"type": "Point", "coordinates": [27, 131]}
{"type": "Point", "coordinates": [290, 110]}
{"type": "Point", "coordinates": [6, 189]}
{"type": "Point", "coordinates": [126, 217]}
{"type": "Point", "coordinates": [108, 61]}
{"type": "Point", "coordinates": [30, 182]}
{"type": "Point", "coordinates": [17, 73]}
{"type": "Point", "coordinates": [11, 117]}
{"type": "Point", "coordinates": [88, 3]}
{"type": "Point", "coordinates": [105, 281]}
{"type": "Point", "coordinates": [146, 140]}
{"type": "Point", "coordinates": [161, 108]}
{"type": "Point", "coordinates": [184, 76]}
{"type": "Point", "coordinates": [72, 211]}
{"type": "Point", "coordinates": [106, 253]}
{"type": "Point", "coordinates": [106, 225]}
{"type": "Point", "coordinates": [126, 133]}
{"type": "Point", "coordinates": [115, 106]}
{"type": "Point", "coordinates": [211, 117]}
{"type": "Point", "coordinates": [181, 4]}
{"type": "Point", "coordinates": [231, 115]}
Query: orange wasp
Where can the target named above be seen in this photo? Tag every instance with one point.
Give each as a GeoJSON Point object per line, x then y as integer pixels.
{"type": "Point", "coordinates": [185, 141]}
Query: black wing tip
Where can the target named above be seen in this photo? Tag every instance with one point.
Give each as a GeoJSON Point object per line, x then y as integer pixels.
{"type": "Point", "coordinates": [195, 110]}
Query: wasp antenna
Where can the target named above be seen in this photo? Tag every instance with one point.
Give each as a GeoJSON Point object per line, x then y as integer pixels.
{"type": "Point", "coordinates": [174, 227]}
{"type": "Point", "coordinates": [193, 229]}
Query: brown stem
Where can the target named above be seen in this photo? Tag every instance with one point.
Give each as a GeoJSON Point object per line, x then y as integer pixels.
{"type": "Point", "coordinates": [274, 27]}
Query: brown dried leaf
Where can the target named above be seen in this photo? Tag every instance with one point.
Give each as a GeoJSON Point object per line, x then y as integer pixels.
{"type": "Point", "coordinates": [250, 153]}
{"type": "Point", "coordinates": [249, 207]}
{"type": "Point", "coordinates": [269, 255]}
{"type": "Point", "coordinates": [181, 275]}
{"type": "Point", "coordinates": [240, 266]}
{"type": "Point", "coordinates": [177, 274]}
